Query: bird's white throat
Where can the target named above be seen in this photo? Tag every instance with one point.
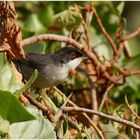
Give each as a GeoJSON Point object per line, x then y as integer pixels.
{"type": "Point", "coordinates": [71, 65]}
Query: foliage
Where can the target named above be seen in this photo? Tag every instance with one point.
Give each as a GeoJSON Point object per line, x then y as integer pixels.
{"type": "Point", "coordinates": [17, 121]}
{"type": "Point", "coordinates": [32, 129]}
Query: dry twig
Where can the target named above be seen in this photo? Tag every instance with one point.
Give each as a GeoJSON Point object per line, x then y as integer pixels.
{"type": "Point", "coordinates": [130, 108]}
{"type": "Point", "coordinates": [40, 106]}
{"type": "Point", "coordinates": [60, 112]}
{"type": "Point", "coordinates": [105, 95]}
{"type": "Point", "coordinates": [109, 117]}
{"type": "Point", "coordinates": [104, 30]}
{"type": "Point", "coordinates": [86, 116]}
{"type": "Point", "coordinates": [132, 35]}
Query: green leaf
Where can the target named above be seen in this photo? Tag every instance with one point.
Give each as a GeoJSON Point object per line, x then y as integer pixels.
{"type": "Point", "coordinates": [120, 7]}
{"type": "Point", "coordinates": [46, 15]}
{"type": "Point", "coordinates": [108, 15]}
{"type": "Point", "coordinates": [110, 131]}
{"type": "Point", "coordinates": [28, 83]}
{"type": "Point", "coordinates": [11, 109]}
{"type": "Point", "coordinates": [37, 129]}
{"type": "Point", "coordinates": [35, 111]}
{"type": "Point", "coordinates": [8, 80]}
{"type": "Point", "coordinates": [65, 128]}
{"type": "Point", "coordinates": [26, 33]}
{"type": "Point", "coordinates": [70, 18]}
{"type": "Point", "coordinates": [32, 24]}
{"type": "Point", "coordinates": [38, 47]}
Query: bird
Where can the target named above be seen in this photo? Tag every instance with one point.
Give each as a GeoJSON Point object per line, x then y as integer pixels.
{"type": "Point", "coordinates": [52, 68]}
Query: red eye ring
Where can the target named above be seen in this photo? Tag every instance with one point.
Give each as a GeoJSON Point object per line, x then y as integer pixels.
{"type": "Point", "coordinates": [73, 55]}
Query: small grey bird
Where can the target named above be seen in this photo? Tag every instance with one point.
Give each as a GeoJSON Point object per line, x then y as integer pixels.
{"type": "Point", "coordinates": [52, 68]}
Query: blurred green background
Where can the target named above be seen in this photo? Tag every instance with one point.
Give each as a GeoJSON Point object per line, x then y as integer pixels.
{"type": "Point", "coordinates": [62, 17]}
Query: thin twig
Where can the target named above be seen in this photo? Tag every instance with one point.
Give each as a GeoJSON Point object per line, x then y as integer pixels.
{"type": "Point", "coordinates": [86, 23]}
{"type": "Point", "coordinates": [24, 100]}
{"type": "Point", "coordinates": [132, 72]}
{"type": "Point", "coordinates": [40, 106]}
{"type": "Point", "coordinates": [122, 45]}
{"type": "Point", "coordinates": [104, 30]}
{"type": "Point", "coordinates": [132, 35]}
{"type": "Point", "coordinates": [45, 103]}
{"type": "Point", "coordinates": [86, 116]}
{"type": "Point", "coordinates": [100, 125]}
{"type": "Point", "coordinates": [35, 102]}
{"type": "Point", "coordinates": [127, 73]}
{"type": "Point", "coordinates": [130, 108]}
{"type": "Point", "coordinates": [136, 115]}
{"type": "Point", "coordinates": [60, 112]}
{"type": "Point", "coordinates": [121, 48]}
{"type": "Point", "coordinates": [86, 34]}
{"type": "Point", "coordinates": [94, 103]}
{"type": "Point", "coordinates": [105, 95]}
{"type": "Point", "coordinates": [109, 117]}
{"type": "Point", "coordinates": [72, 123]}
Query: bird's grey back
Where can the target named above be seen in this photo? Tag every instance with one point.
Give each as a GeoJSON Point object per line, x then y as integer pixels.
{"type": "Point", "coordinates": [50, 72]}
{"type": "Point", "coordinates": [31, 62]}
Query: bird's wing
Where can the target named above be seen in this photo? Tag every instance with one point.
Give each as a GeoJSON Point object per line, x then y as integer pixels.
{"type": "Point", "coordinates": [35, 60]}
{"type": "Point", "coordinates": [31, 62]}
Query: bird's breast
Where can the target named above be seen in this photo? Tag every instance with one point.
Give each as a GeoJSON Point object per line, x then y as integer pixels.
{"type": "Point", "coordinates": [50, 76]}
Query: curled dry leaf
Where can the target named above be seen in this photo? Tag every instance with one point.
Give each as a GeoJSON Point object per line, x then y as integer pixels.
{"type": "Point", "coordinates": [10, 33]}
{"type": "Point", "coordinates": [6, 48]}
{"type": "Point", "coordinates": [15, 41]}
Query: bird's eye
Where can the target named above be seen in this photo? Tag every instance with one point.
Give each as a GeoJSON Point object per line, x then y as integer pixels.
{"type": "Point", "coordinates": [61, 63]}
{"type": "Point", "coordinates": [73, 55]}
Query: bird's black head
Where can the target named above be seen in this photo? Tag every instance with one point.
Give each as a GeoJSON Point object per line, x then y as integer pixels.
{"type": "Point", "coordinates": [68, 53]}
{"type": "Point", "coordinates": [69, 56]}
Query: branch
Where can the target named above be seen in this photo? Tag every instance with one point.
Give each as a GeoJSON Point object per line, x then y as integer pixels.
{"type": "Point", "coordinates": [109, 117]}
{"type": "Point", "coordinates": [105, 95]}
{"type": "Point", "coordinates": [40, 106]}
{"type": "Point", "coordinates": [35, 102]}
{"type": "Point", "coordinates": [130, 108]}
{"type": "Point", "coordinates": [122, 45]}
{"type": "Point", "coordinates": [132, 35]}
{"type": "Point", "coordinates": [24, 100]}
{"type": "Point", "coordinates": [120, 49]}
{"type": "Point", "coordinates": [60, 112]}
{"type": "Point", "coordinates": [127, 73]}
{"type": "Point", "coordinates": [94, 101]}
{"type": "Point", "coordinates": [104, 30]}
{"type": "Point", "coordinates": [53, 37]}
{"type": "Point", "coordinates": [132, 72]}
{"type": "Point", "coordinates": [86, 116]}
